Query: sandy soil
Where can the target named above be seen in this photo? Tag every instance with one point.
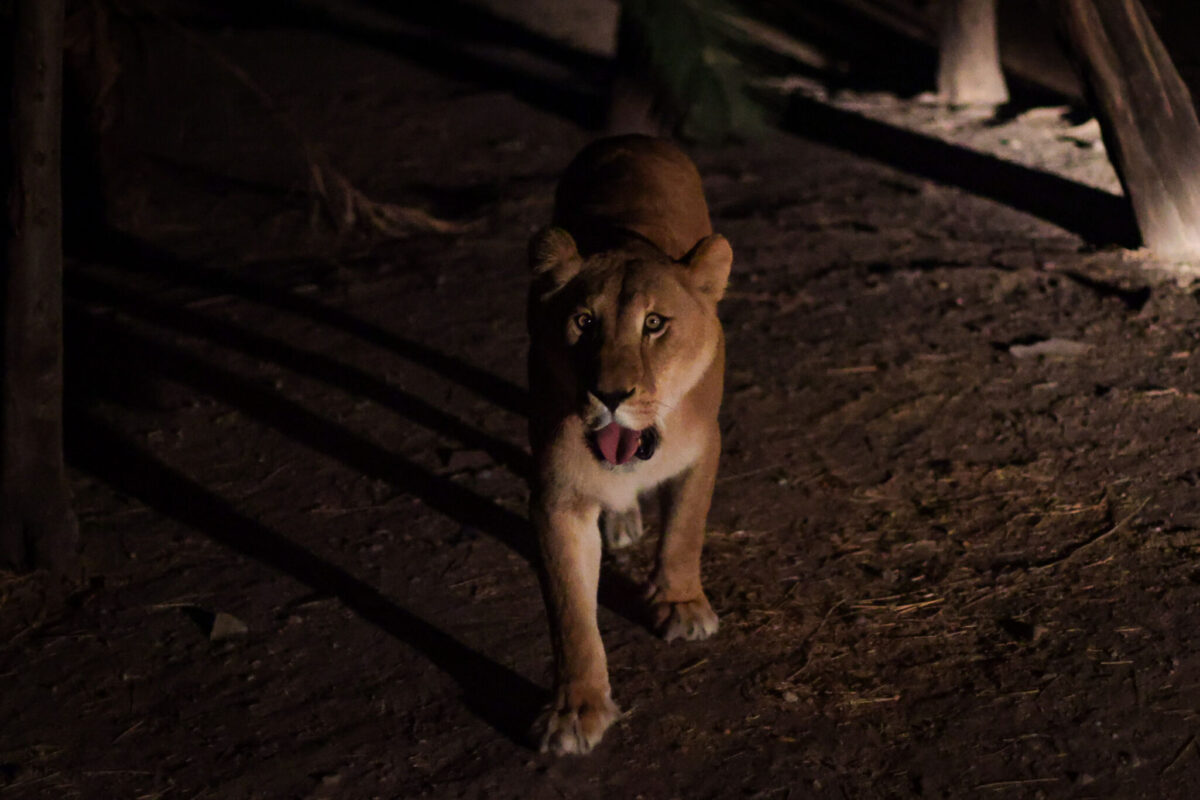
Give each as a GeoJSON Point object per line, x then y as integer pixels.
{"type": "Point", "coordinates": [954, 539]}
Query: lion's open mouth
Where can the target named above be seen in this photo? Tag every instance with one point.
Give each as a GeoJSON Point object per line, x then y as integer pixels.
{"type": "Point", "coordinates": [618, 445]}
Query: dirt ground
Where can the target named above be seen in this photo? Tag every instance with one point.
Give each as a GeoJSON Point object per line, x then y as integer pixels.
{"type": "Point", "coordinates": [954, 540]}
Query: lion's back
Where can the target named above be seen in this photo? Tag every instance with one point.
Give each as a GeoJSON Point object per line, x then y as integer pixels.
{"type": "Point", "coordinates": [633, 183]}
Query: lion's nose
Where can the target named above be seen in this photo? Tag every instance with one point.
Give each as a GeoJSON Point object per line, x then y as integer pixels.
{"type": "Point", "coordinates": [612, 399]}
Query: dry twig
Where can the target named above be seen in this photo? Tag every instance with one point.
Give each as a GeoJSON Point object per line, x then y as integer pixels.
{"type": "Point", "coordinates": [1011, 784]}
{"type": "Point", "coordinates": [1075, 549]}
{"type": "Point", "coordinates": [1190, 744]}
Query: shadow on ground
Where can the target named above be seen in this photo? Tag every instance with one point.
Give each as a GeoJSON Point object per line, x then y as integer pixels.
{"type": "Point", "coordinates": [110, 350]}
{"type": "Point", "coordinates": [499, 696]}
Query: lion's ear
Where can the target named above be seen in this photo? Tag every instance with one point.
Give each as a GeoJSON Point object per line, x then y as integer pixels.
{"type": "Point", "coordinates": [710, 261]}
{"type": "Point", "coordinates": [553, 256]}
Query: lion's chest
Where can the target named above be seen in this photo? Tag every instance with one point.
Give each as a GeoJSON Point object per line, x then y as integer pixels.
{"type": "Point", "coordinates": [619, 487]}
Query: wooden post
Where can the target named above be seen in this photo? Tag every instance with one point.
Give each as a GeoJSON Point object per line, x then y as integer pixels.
{"type": "Point", "coordinates": [1146, 115]}
{"type": "Point", "coordinates": [969, 55]}
{"type": "Point", "coordinates": [37, 527]}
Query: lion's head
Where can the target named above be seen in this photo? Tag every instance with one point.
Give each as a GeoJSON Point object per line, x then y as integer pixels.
{"type": "Point", "coordinates": [625, 333]}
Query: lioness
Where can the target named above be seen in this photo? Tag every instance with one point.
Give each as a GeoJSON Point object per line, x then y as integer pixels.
{"type": "Point", "coordinates": [626, 366]}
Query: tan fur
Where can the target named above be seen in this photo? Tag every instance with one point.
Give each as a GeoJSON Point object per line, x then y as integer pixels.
{"type": "Point", "coordinates": [631, 238]}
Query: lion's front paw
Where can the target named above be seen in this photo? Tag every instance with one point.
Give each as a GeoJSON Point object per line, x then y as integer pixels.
{"type": "Point", "coordinates": [687, 619]}
{"type": "Point", "coordinates": [577, 720]}
{"type": "Point", "coordinates": [621, 528]}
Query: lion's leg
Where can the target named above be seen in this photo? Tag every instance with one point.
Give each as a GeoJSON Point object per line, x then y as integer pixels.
{"type": "Point", "coordinates": [621, 528]}
{"type": "Point", "coordinates": [582, 708]}
{"type": "Point", "coordinates": [678, 605]}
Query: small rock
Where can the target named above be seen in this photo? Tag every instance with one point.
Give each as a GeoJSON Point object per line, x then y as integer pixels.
{"type": "Point", "coordinates": [1045, 114]}
{"type": "Point", "coordinates": [1022, 631]}
{"type": "Point", "coordinates": [1053, 348]}
{"type": "Point", "coordinates": [226, 626]}
{"type": "Point", "coordinates": [465, 460]}
{"type": "Point", "coordinates": [327, 785]}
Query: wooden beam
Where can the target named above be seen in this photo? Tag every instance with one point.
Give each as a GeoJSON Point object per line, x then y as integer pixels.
{"type": "Point", "coordinates": [1146, 115]}
{"type": "Point", "coordinates": [37, 526]}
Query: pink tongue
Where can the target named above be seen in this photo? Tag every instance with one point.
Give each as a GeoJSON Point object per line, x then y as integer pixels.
{"type": "Point", "coordinates": [617, 444]}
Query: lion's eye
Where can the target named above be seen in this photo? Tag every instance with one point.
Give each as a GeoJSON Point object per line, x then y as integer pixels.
{"type": "Point", "coordinates": [654, 323]}
{"type": "Point", "coordinates": [584, 321]}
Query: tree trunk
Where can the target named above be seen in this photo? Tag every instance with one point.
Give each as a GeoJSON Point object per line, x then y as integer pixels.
{"type": "Point", "coordinates": [637, 100]}
{"type": "Point", "coordinates": [969, 55]}
{"type": "Point", "coordinates": [37, 527]}
{"type": "Point", "coordinates": [1146, 115]}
